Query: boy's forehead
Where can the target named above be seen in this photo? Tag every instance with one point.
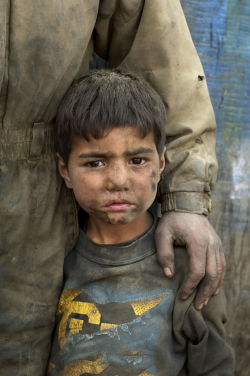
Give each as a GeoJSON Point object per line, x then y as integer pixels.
{"type": "Point", "coordinates": [117, 140]}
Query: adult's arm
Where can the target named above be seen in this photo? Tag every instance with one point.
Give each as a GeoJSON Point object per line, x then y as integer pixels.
{"type": "Point", "coordinates": [152, 38]}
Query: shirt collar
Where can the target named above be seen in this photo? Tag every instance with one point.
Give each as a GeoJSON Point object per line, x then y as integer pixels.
{"type": "Point", "coordinates": [118, 254]}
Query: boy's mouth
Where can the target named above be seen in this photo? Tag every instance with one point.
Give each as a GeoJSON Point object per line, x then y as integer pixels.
{"type": "Point", "coordinates": [117, 205]}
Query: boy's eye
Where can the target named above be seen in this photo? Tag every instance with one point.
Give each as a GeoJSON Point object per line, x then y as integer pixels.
{"type": "Point", "coordinates": [94, 164]}
{"type": "Point", "coordinates": [138, 161]}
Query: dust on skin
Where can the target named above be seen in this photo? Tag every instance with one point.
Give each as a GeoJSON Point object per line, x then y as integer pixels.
{"type": "Point", "coordinates": [110, 217]}
{"type": "Point", "coordinates": [127, 217]}
{"type": "Point", "coordinates": [153, 183]}
{"type": "Point", "coordinates": [98, 173]}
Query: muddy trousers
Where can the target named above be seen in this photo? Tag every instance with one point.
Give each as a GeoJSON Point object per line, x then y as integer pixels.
{"type": "Point", "coordinates": [38, 226]}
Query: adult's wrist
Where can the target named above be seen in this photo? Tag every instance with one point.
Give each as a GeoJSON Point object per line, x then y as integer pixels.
{"type": "Point", "coordinates": [187, 202]}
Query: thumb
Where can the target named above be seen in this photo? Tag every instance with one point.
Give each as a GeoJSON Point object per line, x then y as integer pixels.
{"type": "Point", "coordinates": [165, 253]}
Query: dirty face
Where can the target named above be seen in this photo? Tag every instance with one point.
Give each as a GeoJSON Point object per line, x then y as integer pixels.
{"type": "Point", "coordinates": [114, 178]}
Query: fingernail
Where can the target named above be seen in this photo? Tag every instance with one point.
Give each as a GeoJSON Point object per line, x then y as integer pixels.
{"type": "Point", "coordinates": [202, 305]}
{"type": "Point", "coordinates": [168, 272]}
{"type": "Point", "coordinates": [217, 292]}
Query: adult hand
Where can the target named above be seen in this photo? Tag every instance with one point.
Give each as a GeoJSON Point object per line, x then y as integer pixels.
{"type": "Point", "coordinates": [207, 260]}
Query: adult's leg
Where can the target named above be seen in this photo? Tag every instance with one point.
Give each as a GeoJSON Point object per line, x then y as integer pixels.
{"type": "Point", "coordinates": [38, 227]}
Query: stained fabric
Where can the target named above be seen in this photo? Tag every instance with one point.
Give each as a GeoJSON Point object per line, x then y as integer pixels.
{"type": "Point", "coordinates": [119, 315]}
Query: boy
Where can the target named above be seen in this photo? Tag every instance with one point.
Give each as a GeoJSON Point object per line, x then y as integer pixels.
{"type": "Point", "coordinates": [118, 314]}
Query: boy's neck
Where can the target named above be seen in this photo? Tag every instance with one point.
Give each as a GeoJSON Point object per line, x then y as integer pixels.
{"type": "Point", "coordinates": [101, 232]}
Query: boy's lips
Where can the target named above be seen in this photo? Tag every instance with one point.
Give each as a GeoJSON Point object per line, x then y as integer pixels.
{"type": "Point", "coordinates": [116, 205]}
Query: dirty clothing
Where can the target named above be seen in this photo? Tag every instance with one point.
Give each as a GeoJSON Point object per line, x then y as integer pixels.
{"type": "Point", "coordinates": [44, 46]}
{"type": "Point", "coordinates": [119, 315]}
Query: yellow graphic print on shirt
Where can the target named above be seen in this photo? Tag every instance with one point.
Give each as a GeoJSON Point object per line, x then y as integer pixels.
{"type": "Point", "coordinates": [80, 314]}
{"type": "Point", "coordinates": [67, 306]}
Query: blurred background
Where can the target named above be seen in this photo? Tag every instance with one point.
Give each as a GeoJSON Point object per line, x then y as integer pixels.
{"type": "Point", "coordinates": [221, 33]}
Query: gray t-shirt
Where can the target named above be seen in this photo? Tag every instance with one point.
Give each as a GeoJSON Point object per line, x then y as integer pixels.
{"type": "Point", "coordinates": [119, 315]}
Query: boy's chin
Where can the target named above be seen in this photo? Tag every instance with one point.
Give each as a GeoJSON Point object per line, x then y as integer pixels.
{"type": "Point", "coordinates": [119, 219]}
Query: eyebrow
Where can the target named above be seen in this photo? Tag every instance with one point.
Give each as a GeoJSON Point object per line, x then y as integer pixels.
{"type": "Point", "coordinates": [92, 155]}
{"type": "Point", "coordinates": [127, 153]}
{"type": "Point", "coordinates": [139, 151]}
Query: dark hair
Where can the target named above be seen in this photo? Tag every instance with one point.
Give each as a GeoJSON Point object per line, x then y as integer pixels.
{"type": "Point", "coordinates": [104, 99]}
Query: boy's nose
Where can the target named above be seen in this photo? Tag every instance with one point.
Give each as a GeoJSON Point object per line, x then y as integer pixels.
{"type": "Point", "coordinates": [117, 178]}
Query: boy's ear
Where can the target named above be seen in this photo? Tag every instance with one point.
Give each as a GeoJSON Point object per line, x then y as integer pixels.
{"type": "Point", "coordinates": [63, 170]}
{"type": "Point", "coordinates": [162, 160]}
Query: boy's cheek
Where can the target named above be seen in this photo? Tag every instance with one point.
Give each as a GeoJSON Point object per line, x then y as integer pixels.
{"type": "Point", "coordinates": [153, 186]}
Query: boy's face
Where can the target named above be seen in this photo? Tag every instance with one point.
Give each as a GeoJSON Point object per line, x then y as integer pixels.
{"type": "Point", "coordinates": [114, 178]}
